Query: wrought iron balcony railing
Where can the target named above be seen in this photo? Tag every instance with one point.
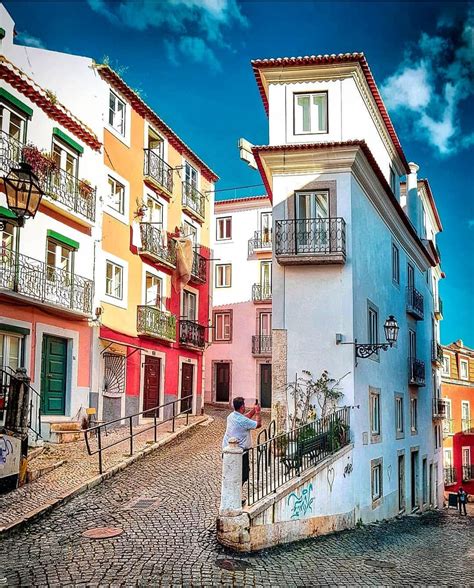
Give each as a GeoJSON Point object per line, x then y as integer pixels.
{"type": "Point", "coordinates": [261, 344]}
{"type": "Point", "coordinates": [43, 283]}
{"type": "Point", "coordinates": [158, 170]}
{"type": "Point", "coordinates": [450, 477]}
{"type": "Point", "coordinates": [192, 333]}
{"type": "Point", "coordinates": [439, 408]}
{"type": "Point", "coordinates": [415, 305]}
{"type": "Point", "coordinates": [436, 352]}
{"type": "Point", "coordinates": [261, 240]}
{"type": "Point", "coordinates": [156, 244]}
{"type": "Point", "coordinates": [155, 322]}
{"type": "Point", "coordinates": [311, 236]}
{"type": "Point", "coordinates": [262, 292]}
{"type": "Point", "coordinates": [467, 426]}
{"type": "Point", "coordinates": [416, 372]}
{"type": "Point", "coordinates": [448, 427]}
{"type": "Point", "coordinates": [199, 268]}
{"type": "Point", "coordinates": [193, 200]}
{"type": "Point", "coordinates": [58, 185]}
{"type": "Point", "coordinates": [467, 472]}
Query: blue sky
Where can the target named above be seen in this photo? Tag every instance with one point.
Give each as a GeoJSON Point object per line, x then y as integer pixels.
{"type": "Point", "coordinates": [189, 59]}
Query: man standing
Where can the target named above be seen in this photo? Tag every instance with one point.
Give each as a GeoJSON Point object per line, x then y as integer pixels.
{"type": "Point", "coordinates": [239, 426]}
{"type": "Point", "coordinates": [462, 499]}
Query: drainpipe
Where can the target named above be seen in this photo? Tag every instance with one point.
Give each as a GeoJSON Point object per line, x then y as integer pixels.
{"type": "Point", "coordinates": [412, 205]}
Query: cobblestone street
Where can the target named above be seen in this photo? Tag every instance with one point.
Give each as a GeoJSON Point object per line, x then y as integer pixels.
{"type": "Point", "coordinates": [171, 542]}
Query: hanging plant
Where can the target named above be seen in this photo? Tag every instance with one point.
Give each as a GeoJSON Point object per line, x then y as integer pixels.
{"type": "Point", "coordinates": [140, 211]}
{"type": "Point", "coordinates": [85, 189]}
{"type": "Point", "coordinates": [42, 164]}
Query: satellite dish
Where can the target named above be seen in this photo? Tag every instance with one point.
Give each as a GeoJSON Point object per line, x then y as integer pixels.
{"type": "Point", "coordinates": [245, 151]}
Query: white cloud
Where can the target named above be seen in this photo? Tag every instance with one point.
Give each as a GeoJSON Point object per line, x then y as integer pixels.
{"type": "Point", "coordinates": [190, 29]}
{"type": "Point", "coordinates": [24, 38]}
{"type": "Point", "coordinates": [431, 83]}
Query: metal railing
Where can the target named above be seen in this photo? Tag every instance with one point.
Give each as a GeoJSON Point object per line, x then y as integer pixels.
{"type": "Point", "coordinates": [468, 472]}
{"type": "Point", "coordinates": [439, 407]}
{"type": "Point", "coordinates": [286, 456]}
{"type": "Point", "coordinates": [44, 283]}
{"type": "Point", "coordinates": [448, 427]}
{"type": "Point", "coordinates": [96, 430]}
{"type": "Point", "coordinates": [193, 199]}
{"type": "Point", "coordinates": [261, 292]}
{"type": "Point", "coordinates": [261, 344]}
{"type": "Point", "coordinates": [450, 476]}
{"type": "Point", "coordinates": [192, 333]}
{"type": "Point", "coordinates": [436, 352]}
{"type": "Point", "coordinates": [415, 304]}
{"type": "Point", "coordinates": [467, 426]}
{"type": "Point", "coordinates": [416, 372]}
{"type": "Point", "coordinates": [199, 267]}
{"type": "Point", "coordinates": [11, 152]}
{"type": "Point", "coordinates": [7, 374]}
{"type": "Point", "coordinates": [157, 244]}
{"type": "Point", "coordinates": [155, 322]}
{"type": "Point", "coordinates": [158, 170]}
{"type": "Point", "coordinates": [260, 240]}
{"type": "Point", "coordinates": [310, 236]}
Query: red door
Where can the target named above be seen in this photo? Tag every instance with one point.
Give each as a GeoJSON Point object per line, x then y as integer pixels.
{"type": "Point", "coordinates": [151, 384]}
{"type": "Point", "coordinates": [187, 372]}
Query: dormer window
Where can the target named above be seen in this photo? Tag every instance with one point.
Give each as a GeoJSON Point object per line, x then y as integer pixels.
{"type": "Point", "coordinates": [311, 113]}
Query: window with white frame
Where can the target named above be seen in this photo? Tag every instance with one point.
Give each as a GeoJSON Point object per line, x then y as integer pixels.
{"type": "Point", "coordinates": [446, 369]}
{"type": "Point", "coordinates": [376, 479]}
{"type": "Point", "coordinates": [464, 369]}
{"type": "Point", "coordinates": [190, 230]}
{"type": "Point", "coordinates": [222, 325]}
{"type": "Point", "coordinates": [465, 416]}
{"type": "Point", "coordinates": [153, 289]}
{"type": "Point", "coordinates": [311, 113]}
{"type": "Point", "coordinates": [399, 428]}
{"type": "Point", "coordinates": [372, 325]}
{"type": "Point", "coordinates": [116, 195]}
{"type": "Point", "coordinates": [223, 275]}
{"type": "Point", "coordinates": [466, 456]}
{"type": "Point", "coordinates": [190, 175]}
{"type": "Point", "coordinates": [395, 264]}
{"type": "Point", "coordinates": [58, 257]}
{"type": "Point", "coordinates": [114, 280]}
{"type": "Point", "coordinates": [189, 308]}
{"type": "Point", "coordinates": [67, 160]}
{"type": "Point", "coordinates": [12, 124]}
{"type": "Point", "coordinates": [374, 412]}
{"type": "Point", "coordinates": [11, 350]}
{"type": "Point", "coordinates": [414, 414]}
{"type": "Point", "coordinates": [117, 110]}
{"type": "Point", "coordinates": [224, 228]}
{"type": "Point", "coordinates": [7, 237]}
{"type": "Point", "coordinates": [154, 212]}
{"type": "Point", "coordinates": [448, 458]}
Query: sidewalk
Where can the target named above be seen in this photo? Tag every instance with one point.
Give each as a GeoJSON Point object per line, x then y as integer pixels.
{"type": "Point", "coordinates": [73, 470]}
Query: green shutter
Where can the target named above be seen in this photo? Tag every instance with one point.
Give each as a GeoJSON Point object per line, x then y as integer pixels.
{"type": "Point", "coordinates": [6, 213]}
{"type": "Point", "coordinates": [13, 329]}
{"type": "Point", "coordinates": [18, 103]}
{"type": "Point", "coordinates": [62, 239]}
{"type": "Point", "coordinates": [73, 144]}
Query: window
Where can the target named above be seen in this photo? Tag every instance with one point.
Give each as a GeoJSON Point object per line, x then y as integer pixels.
{"type": "Point", "coordinates": [59, 261]}
{"type": "Point", "coordinates": [266, 227]}
{"type": "Point", "coordinates": [374, 414]}
{"type": "Point", "coordinates": [410, 276]}
{"type": "Point", "coordinates": [266, 278]}
{"type": "Point", "coordinates": [414, 415]}
{"type": "Point", "coordinates": [464, 369]}
{"type": "Point", "coordinates": [393, 180]}
{"type": "Point", "coordinates": [114, 280]}
{"type": "Point", "coordinates": [223, 275]}
{"type": "Point", "coordinates": [412, 344]}
{"type": "Point", "coordinates": [399, 428]}
{"type": "Point", "coordinates": [465, 416]}
{"type": "Point", "coordinates": [116, 195]}
{"type": "Point", "coordinates": [223, 325]}
{"type": "Point", "coordinates": [376, 479]}
{"type": "Point", "coordinates": [67, 161]}
{"type": "Point", "coordinates": [190, 230]}
{"type": "Point", "coordinates": [189, 306]}
{"type": "Point", "coordinates": [190, 175]}
{"type": "Point", "coordinates": [154, 212]}
{"type": "Point", "coordinates": [448, 458]}
{"type": "Point", "coordinates": [424, 480]}
{"type": "Point", "coordinates": [395, 264]}
{"type": "Point", "coordinates": [153, 287]}
{"type": "Point", "coordinates": [446, 369]}
{"type": "Point", "coordinates": [372, 326]}
{"type": "Point", "coordinates": [117, 113]}
{"type": "Point", "coordinates": [224, 228]}
{"type": "Point", "coordinates": [7, 237]}
{"type": "Point", "coordinates": [11, 351]}
{"type": "Point", "coordinates": [310, 113]}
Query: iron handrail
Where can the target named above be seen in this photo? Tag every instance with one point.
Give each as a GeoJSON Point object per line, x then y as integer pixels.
{"type": "Point", "coordinates": [98, 428]}
{"type": "Point", "coordinates": [11, 373]}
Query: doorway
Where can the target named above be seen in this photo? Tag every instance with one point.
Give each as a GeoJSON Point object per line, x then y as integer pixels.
{"type": "Point", "coordinates": [414, 480]}
{"type": "Point", "coordinates": [266, 385]}
{"type": "Point", "coordinates": [151, 384]}
{"type": "Point", "coordinates": [187, 377]}
{"type": "Point", "coordinates": [401, 483]}
{"type": "Point", "coordinates": [222, 379]}
{"type": "Point", "coordinates": [53, 375]}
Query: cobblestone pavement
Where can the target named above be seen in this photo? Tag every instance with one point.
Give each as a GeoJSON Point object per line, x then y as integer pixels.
{"type": "Point", "coordinates": [172, 542]}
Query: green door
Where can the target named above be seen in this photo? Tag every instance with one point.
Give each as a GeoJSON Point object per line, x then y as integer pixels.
{"type": "Point", "coordinates": [53, 375]}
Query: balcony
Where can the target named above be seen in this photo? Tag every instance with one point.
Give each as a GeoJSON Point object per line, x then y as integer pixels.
{"type": "Point", "coordinates": [199, 268]}
{"type": "Point", "coordinates": [157, 171]}
{"type": "Point", "coordinates": [261, 293]}
{"type": "Point", "coordinates": [450, 477]}
{"type": "Point", "coordinates": [194, 203]}
{"type": "Point", "coordinates": [44, 284]}
{"type": "Point", "coordinates": [416, 372]}
{"type": "Point", "coordinates": [316, 241]}
{"type": "Point", "coordinates": [58, 185]}
{"type": "Point", "coordinates": [154, 322]}
{"type": "Point", "coordinates": [156, 245]}
{"type": "Point", "coordinates": [261, 345]}
{"type": "Point", "coordinates": [436, 353]}
{"type": "Point", "coordinates": [260, 243]}
{"type": "Point", "coordinates": [439, 408]}
{"type": "Point", "coordinates": [415, 304]}
{"type": "Point", "coordinates": [438, 308]}
{"type": "Point", "coordinates": [192, 334]}
{"type": "Point", "coordinates": [467, 426]}
{"type": "Point", "coordinates": [467, 472]}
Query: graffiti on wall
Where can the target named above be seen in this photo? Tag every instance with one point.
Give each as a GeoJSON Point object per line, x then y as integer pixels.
{"type": "Point", "coordinates": [302, 503]}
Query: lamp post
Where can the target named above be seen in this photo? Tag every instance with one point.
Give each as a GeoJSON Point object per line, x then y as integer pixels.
{"type": "Point", "coordinates": [365, 350]}
{"type": "Point", "coordinates": [23, 192]}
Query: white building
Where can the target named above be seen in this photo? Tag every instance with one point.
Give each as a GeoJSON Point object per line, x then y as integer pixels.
{"type": "Point", "coordinates": [351, 249]}
{"type": "Point", "coordinates": [239, 359]}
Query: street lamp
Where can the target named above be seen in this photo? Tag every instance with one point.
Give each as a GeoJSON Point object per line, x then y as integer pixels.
{"type": "Point", "coordinates": [23, 192]}
{"type": "Point", "coordinates": [365, 350]}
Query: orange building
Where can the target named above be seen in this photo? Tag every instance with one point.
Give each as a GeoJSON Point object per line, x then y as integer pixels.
{"type": "Point", "coordinates": [457, 388]}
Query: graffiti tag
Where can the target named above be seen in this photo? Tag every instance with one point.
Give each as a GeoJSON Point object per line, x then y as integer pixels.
{"type": "Point", "coordinates": [303, 503]}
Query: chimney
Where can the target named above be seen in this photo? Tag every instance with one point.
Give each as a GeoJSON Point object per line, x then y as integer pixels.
{"type": "Point", "coordinates": [412, 205]}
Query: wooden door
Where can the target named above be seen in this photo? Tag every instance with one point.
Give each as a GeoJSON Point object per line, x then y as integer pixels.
{"type": "Point", "coordinates": [401, 482]}
{"type": "Point", "coordinates": [266, 385]}
{"type": "Point", "coordinates": [53, 375]}
{"type": "Point", "coordinates": [151, 384]}
{"type": "Point", "coordinates": [222, 382]}
{"type": "Point", "coordinates": [187, 376]}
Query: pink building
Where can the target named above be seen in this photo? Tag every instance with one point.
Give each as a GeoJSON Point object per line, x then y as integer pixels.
{"type": "Point", "coordinates": [238, 363]}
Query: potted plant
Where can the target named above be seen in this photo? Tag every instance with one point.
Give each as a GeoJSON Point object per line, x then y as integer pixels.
{"type": "Point", "coordinates": [42, 164]}
{"type": "Point", "coordinates": [85, 189]}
